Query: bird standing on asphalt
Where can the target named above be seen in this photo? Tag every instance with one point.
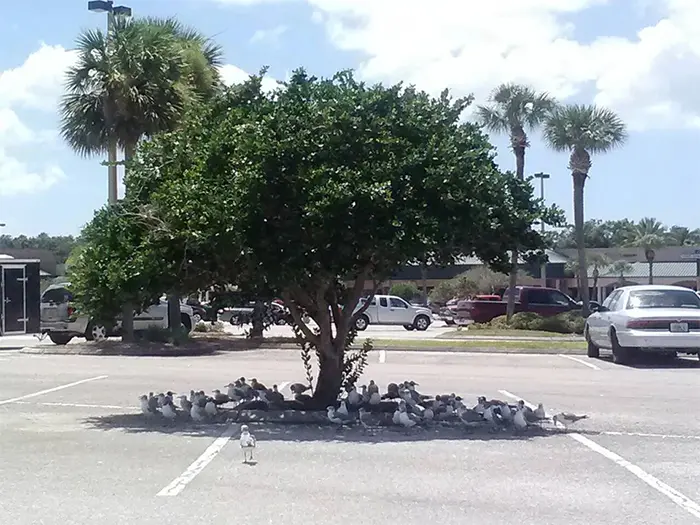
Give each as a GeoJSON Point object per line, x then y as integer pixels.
{"type": "Point", "coordinates": [298, 388]}
{"type": "Point", "coordinates": [185, 404]}
{"type": "Point", "coordinates": [247, 442]}
{"type": "Point", "coordinates": [168, 410]}
{"type": "Point", "coordinates": [146, 406]}
{"type": "Point", "coordinates": [519, 420]}
{"type": "Point", "coordinates": [275, 397]}
{"type": "Point", "coordinates": [567, 418]}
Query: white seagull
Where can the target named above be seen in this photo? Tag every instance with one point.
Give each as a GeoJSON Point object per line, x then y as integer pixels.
{"type": "Point", "coordinates": [247, 444]}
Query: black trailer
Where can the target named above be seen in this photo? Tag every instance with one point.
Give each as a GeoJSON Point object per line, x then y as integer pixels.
{"type": "Point", "coordinates": [20, 296]}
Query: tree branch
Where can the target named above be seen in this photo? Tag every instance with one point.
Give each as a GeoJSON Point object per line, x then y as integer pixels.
{"type": "Point", "coordinates": [296, 315]}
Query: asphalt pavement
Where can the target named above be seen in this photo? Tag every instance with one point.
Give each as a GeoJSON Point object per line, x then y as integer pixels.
{"type": "Point", "coordinates": [75, 449]}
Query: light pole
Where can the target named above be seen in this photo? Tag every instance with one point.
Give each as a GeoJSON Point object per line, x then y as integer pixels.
{"type": "Point", "coordinates": [107, 6]}
{"type": "Point", "coordinates": [542, 177]}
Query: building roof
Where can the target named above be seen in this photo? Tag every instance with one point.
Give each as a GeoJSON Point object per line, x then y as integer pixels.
{"type": "Point", "coordinates": [554, 258]}
{"type": "Point", "coordinates": [640, 270]}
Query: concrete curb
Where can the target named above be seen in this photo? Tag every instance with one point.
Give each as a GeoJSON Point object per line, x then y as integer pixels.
{"type": "Point", "coordinates": [197, 352]}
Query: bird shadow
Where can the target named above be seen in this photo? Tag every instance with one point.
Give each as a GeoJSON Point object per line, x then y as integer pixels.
{"type": "Point", "coordinates": [137, 423]}
{"type": "Point", "coordinates": [655, 361]}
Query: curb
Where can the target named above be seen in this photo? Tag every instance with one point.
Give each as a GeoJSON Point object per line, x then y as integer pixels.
{"type": "Point", "coordinates": [198, 352]}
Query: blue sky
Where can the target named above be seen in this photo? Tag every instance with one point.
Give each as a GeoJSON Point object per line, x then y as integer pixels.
{"type": "Point", "coordinates": [638, 57]}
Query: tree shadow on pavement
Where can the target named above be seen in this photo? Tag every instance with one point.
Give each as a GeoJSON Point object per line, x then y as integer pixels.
{"type": "Point", "coordinates": [314, 432]}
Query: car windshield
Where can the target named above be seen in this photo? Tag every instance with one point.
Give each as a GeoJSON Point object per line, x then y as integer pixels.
{"type": "Point", "coordinates": [663, 299]}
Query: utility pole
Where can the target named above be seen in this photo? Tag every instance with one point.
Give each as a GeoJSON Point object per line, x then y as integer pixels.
{"type": "Point", "coordinates": [542, 177]}
{"type": "Point", "coordinates": [107, 6]}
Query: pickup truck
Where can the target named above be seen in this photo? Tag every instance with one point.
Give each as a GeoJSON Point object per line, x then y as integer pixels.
{"type": "Point", "coordinates": [392, 310]}
{"type": "Point", "coordinates": [546, 302]}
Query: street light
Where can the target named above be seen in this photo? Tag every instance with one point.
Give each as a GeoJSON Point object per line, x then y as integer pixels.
{"type": "Point", "coordinates": [107, 6]}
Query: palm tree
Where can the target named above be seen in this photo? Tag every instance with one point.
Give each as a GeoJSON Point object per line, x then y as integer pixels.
{"type": "Point", "coordinates": [648, 233]}
{"type": "Point", "coordinates": [583, 130]}
{"type": "Point", "coordinates": [620, 268]}
{"type": "Point", "coordinates": [515, 109]}
{"type": "Point", "coordinates": [132, 83]}
{"type": "Point", "coordinates": [598, 262]}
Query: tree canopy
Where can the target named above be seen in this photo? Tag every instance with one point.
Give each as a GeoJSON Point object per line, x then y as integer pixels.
{"type": "Point", "coordinates": [294, 192]}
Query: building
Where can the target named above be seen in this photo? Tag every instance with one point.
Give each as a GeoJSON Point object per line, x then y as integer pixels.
{"type": "Point", "coordinates": [676, 265]}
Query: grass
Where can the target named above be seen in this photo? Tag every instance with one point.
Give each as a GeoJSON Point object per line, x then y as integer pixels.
{"type": "Point", "coordinates": [504, 333]}
{"type": "Point", "coordinates": [500, 344]}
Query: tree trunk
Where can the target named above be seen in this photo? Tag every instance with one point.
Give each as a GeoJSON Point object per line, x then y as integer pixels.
{"type": "Point", "coordinates": [519, 151]}
{"type": "Point", "coordinates": [579, 182]}
{"type": "Point", "coordinates": [424, 279]}
{"type": "Point", "coordinates": [112, 185]}
{"type": "Point", "coordinates": [128, 309]}
{"type": "Point", "coordinates": [174, 321]}
{"type": "Point", "coordinates": [330, 375]}
{"type": "Point", "coordinates": [651, 272]}
{"type": "Point", "coordinates": [257, 325]}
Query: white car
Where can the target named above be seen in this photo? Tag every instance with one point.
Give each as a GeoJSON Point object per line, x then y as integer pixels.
{"type": "Point", "coordinates": [61, 323]}
{"type": "Point", "coordinates": [392, 310]}
{"type": "Point", "coordinates": [646, 318]}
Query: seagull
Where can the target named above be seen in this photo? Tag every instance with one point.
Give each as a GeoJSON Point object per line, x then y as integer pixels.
{"type": "Point", "coordinates": [396, 418]}
{"type": "Point", "coordinates": [567, 418]}
{"type": "Point", "coordinates": [354, 397]}
{"type": "Point", "coordinates": [275, 397]}
{"type": "Point", "coordinates": [519, 420]}
{"type": "Point", "coordinates": [247, 442]}
{"type": "Point", "coordinates": [219, 398]}
{"type": "Point", "coordinates": [210, 408]}
{"type": "Point", "coordinates": [375, 398]}
{"type": "Point", "coordinates": [169, 411]}
{"type": "Point", "coordinates": [257, 386]}
{"type": "Point", "coordinates": [152, 403]}
{"type": "Point", "coordinates": [197, 413]}
{"type": "Point", "coordinates": [185, 404]}
{"type": "Point", "coordinates": [145, 406]}
{"type": "Point", "coordinates": [362, 416]}
{"type": "Point", "coordinates": [405, 419]}
{"type": "Point", "coordinates": [342, 410]}
{"type": "Point", "coordinates": [372, 388]}
{"type": "Point", "coordinates": [335, 418]}
{"type": "Point", "coordinates": [235, 394]}
{"type": "Point", "coordinates": [539, 411]}
{"type": "Point", "coordinates": [298, 388]}
{"type": "Point", "coordinates": [469, 415]}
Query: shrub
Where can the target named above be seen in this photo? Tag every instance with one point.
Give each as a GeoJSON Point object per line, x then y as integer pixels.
{"type": "Point", "coordinates": [566, 323]}
{"type": "Point", "coordinates": [203, 327]}
{"type": "Point", "coordinates": [407, 291]}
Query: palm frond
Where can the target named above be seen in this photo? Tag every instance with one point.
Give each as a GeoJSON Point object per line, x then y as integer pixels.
{"type": "Point", "coordinates": [492, 119]}
{"type": "Point", "coordinates": [587, 127]}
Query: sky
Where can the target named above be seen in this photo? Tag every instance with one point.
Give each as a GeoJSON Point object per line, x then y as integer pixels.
{"type": "Point", "coordinates": [640, 58]}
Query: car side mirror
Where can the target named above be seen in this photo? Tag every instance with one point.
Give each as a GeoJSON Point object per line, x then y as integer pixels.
{"type": "Point", "coordinates": [602, 308]}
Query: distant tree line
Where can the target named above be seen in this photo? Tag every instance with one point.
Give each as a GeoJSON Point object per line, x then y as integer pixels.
{"type": "Point", "coordinates": [60, 245]}
{"type": "Point", "coordinates": [647, 233]}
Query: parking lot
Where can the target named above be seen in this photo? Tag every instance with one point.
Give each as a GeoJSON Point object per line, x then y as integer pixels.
{"type": "Point", "coordinates": [75, 449]}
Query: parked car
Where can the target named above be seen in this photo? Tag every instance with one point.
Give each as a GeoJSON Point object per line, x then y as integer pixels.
{"type": "Point", "coordinates": [645, 318]}
{"type": "Point", "coordinates": [543, 301]}
{"type": "Point", "coordinates": [201, 311]}
{"type": "Point", "coordinates": [392, 310]}
{"type": "Point", "coordinates": [61, 323]}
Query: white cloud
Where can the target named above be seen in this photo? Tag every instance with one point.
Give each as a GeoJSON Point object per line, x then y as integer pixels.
{"type": "Point", "coordinates": [38, 83]}
{"type": "Point", "coordinates": [231, 74]}
{"type": "Point", "coordinates": [12, 130]}
{"type": "Point", "coordinates": [472, 46]}
{"type": "Point", "coordinates": [17, 178]}
{"type": "Point", "coordinates": [271, 35]}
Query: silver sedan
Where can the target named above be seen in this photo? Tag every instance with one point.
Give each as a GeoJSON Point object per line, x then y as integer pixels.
{"type": "Point", "coordinates": [646, 318]}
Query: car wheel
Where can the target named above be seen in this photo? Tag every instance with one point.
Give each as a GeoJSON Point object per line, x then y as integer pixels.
{"type": "Point", "coordinates": [96, 332]}
{"type": "Point", "coordinates": [196, 318]}
{"type": "Point", "coordinates": [408, 327]}
{"type": "Point", "coordinates": [59, 338]}
{"type": "Point", "coordinates": [621, 354]}
{"type": "Point", "coordinates": [421, 323]}
{"type": "Point", "coordinates": [186, 322]}
{"type": "Point", "coordinates": [593, 350]}
{"type": "Point", "coordinates": [361, 323]}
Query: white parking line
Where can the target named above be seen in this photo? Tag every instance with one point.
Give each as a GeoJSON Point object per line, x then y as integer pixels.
{"type": "Point", "coordinates": [75, 405]}
{"type": "Point", "coordinates": [49, 390]}
{"type": "Point", "coordinates": [646, 435]}
{"type": "Point", "coordinates": [581, 361]}
{"type": "Point", "coordinates": [382, 356]}
{"type": "Point", "coordinates": [680, 499]}
{"type": "Point", "coordinates": [179, 483]}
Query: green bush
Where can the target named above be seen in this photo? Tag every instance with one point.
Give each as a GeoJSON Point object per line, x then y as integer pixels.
{"type": "Point", "coordinates": [203, 327]}
{"type": "Point", "coordinates": [565, 323]}
{"type": "Point", "coordinates": [407, 291]}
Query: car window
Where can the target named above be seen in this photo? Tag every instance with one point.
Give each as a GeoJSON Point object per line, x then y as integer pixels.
{"type": "Point", "coordinates": [536, 296]}
{"type": "Point", "coordinates": [383, 302]}
{"type": "Point", "coordinates": [556, 297]}
{"type": "Point", "coordinates": [57, 296]}
{"type": "Point", "coordinates": [663, 299]}
{"type": "Point", "coordinates": [397, 303]}
{"type": "Point", "coordinates": [611, 298]}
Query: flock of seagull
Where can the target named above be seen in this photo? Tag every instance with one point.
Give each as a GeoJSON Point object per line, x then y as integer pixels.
{"type": "Point", "coordinates": [410, 408]}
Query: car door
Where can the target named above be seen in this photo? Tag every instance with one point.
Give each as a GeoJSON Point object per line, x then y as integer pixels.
{"type": "Point", "coordinates": [542, 302]}
{"type": "Point", "coordinates": [154, 315]}
{"type": "Point", "coordinates": [603, 319]}
{"type": "Point", "coordinates": [399, 311]}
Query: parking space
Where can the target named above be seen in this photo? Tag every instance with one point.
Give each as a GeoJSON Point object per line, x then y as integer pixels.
{"type": "Point", "coordinates": [75, 449]}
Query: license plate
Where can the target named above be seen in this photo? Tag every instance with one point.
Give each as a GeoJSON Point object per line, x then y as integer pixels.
{"type": "Point", "coordinates": [678, 327]}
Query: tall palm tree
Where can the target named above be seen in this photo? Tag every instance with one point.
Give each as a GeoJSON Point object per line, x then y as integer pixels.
{"type": "Point", "coordinates": [621, 268]}
{"type": "Point", "coordinates": [682, 236]}
{"type": "Point", "coordinates": [583, 130]}
{"type": "Point", "coordinates": [515, 109]}
{"type": "Point", "coordinates": [132, 83]}
{"type": "Point", "coordinates": [648, 234]}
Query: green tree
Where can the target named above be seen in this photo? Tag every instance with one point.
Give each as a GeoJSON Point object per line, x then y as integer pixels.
{"type": "Point", "coordinates": [407, 291]}
{"type": "Point", "coordinates": [582, 131]}
{"type": "Point", "coordinates": [130, 84]}
{"type": "Point", "coordinates": [648, 234]}
{"type": "Point", "coordinates": [323, 182]}
{"type": "Point", "coordinates": [515, 109]}
{"type": "Point", "coordinates": [621, 268]}
{"type": "Point", "coordinates": [682, 236]}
